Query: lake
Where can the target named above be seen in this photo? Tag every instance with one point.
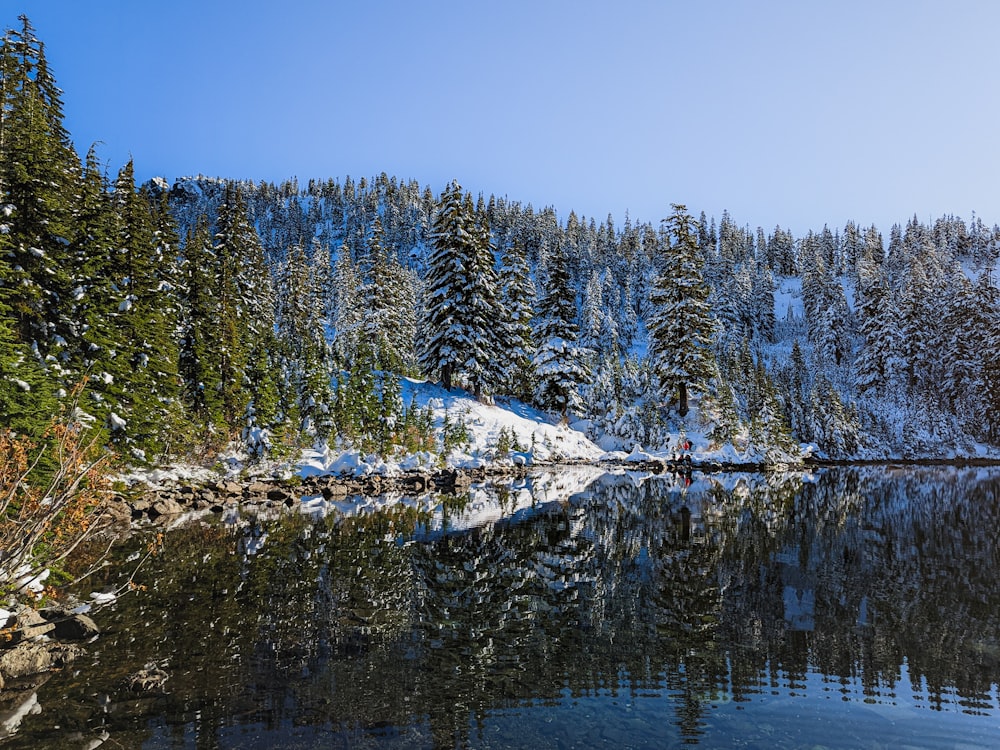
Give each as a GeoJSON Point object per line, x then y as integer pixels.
{"type": "Point", "coordinates": [846, 608]}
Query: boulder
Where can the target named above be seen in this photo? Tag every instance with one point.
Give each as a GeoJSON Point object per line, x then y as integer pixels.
{"type": "Point", "coordinates": [165, 507]}
{"type": "Point", "coordinates": [72, 627]}
{"type": "Point", "coordinates": [256, 491]}
{"type": "Point", "coordinates": [231, 488]}
{"type": "Point", "coordinates": [334, 489]}
{"type": "Point", "coordinates": [28, 659]}
{"type": "Point", "coordinates": [30, 624]}
{"type": "Point", "coordinates": [278, 494]}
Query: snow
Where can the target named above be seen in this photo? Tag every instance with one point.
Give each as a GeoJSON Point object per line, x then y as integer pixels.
{"type": "Point", "coordinates": [638, 455]}
{"type": "Point", "coordinates": [788, 297]}
{"type": "Point", "coordinates": [25, 581]}
{"type": "Point", "coordinates": [539, 437]}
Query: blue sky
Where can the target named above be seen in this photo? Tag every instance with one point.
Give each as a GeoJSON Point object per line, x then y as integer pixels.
{"type": "Point", "coordinates": [794, 113]}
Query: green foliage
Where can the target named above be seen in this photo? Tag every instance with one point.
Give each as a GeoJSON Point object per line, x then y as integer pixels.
{"type": "Point", "coordinates": [454, 433]}
{"type": "Point", "coordinates": [681, 327]}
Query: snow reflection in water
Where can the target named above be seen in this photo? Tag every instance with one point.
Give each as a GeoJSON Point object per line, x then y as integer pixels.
{"type": "Point", "coordinates": [855, 608]}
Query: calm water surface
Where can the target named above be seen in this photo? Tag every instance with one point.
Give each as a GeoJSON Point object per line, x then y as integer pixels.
{"type": "Point", "coordinates": [846, 609]}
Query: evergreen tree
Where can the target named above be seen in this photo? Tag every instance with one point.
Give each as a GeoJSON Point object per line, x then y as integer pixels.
{"type": "Point", "coordinates": [200, 330]}
{"type": "Point", "coordinates": [348, 312]}
{"type": "Point", "coordinates": [681, 326]}
{"type": "Point", "coordinates": [517, 345]}
{"type": "Point", "coordinates": [39, 176]}
{"type": "Point", "coordinates": [148, 319]}
{"type": "Point", "coordinates": [877, 326]}
{"type": "Point", "coordinates": [988, 304]}
{"type": "Point", "coordinates": [307, 366]}
{"type": "Point", "coordinates": [27, 401]}
{"type": "Point", "coordinates": [460, 307]}
{"type": "Point", "coordinates": [559, 362]}
{"type": "Point", "coordinates": [389, 300]}
{"type": "Point", "coordinates": [245, 310]}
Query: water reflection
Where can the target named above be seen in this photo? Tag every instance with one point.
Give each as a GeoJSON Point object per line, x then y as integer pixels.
{"type": "Point", "coordinates": [626, 609]}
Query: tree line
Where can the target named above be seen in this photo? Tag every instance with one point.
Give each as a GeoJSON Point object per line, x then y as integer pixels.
{"type": "Point", "coordinates": [176, 318]}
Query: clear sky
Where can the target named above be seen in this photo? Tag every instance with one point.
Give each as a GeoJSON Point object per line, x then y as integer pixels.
{"type": "Point", "coordinates": [797, 112]}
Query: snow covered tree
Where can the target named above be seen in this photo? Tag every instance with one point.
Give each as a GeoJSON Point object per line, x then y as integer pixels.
{"type": "Point", "coordinates": [200, 330]}
{"type": "Point", "coordinates": [148, 316]}
{"type": "Point", "coordinates": [460, 308]}
{"type": "Point", "coordinates": [833, 425]}
{"type": "Point", "coordinates": [988, 304]}
{"type": "Point", "coordinates": [306, 354]}
{"type": "Point", "coordinates": [39, 176]}
{"type": "Point", "coordinates": [347, 310]}
{"type": "Point", "coordinates": [878, 359]}
{"type": "Point", "coordinates": [681, 326]}
{"type": "Point", "coordinates": [559, 362]}
{"type": "Point", "coordinates": [389, 302]}
{"type": "Point", "coordinates": [245, 313]}
{"type": "Point", "coordinates": [517, 341]}
{"type": "Point", "coordinates": [27, 401]}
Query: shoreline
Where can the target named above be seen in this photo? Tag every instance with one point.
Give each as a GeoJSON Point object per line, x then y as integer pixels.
{"type": "Point", "coordinates": [215, 495]}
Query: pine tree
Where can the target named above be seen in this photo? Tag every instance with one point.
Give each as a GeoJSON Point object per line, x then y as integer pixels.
{"type": "Point", "coordinates": [988, 304]}
{"type": "Point", "coordinates": [200, 336]}
{"type": "Point", "coordinates": [681, 327]}
{"type": "Point", "coordinates": [148, 319]}
{"type": "Point", "coordinates": [348, 312]}
{"type": "Point", "coordinates": [299, 323]}
{"type": "Point", "coordinates": [460, 307]}
{"type": "Point", "coordinates": [559, 362]}
{"type": "Point", "coordinates": [39, 176]}
{"type": "Point", "coordinates": [517, 345]}
{"type": "Point", "coordinates": [877, 326]}
{"type": "Point", "coordinates": [27, 401]}
{"type": "Point", "coordinates": [245, 312]}
{"type": "Point", "coordinates": [389, 302]}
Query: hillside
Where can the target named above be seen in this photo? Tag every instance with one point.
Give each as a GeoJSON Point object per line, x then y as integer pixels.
{"type": "Point", "coordinates": [179, 319]}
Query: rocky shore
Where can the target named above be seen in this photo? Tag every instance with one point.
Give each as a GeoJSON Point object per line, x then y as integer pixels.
{"type": "Point", "coordinates": [160, 503]}
{"type": "Point", "coordinates": [35, 642]}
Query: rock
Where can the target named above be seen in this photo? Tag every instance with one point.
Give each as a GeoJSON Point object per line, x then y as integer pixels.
{"type": "Point", "coordinates": [205, 496]}
{"type": "Point", "coordinates": [415, 483]}
{"type": "Point", "coordinates": [165, 507]}
{"type": "Point", "coordinates": [445, 478]}
{"type": "Point", "coordinates": [334, 489]}
{"type": "Point", "coordinates": [256, 490]}
{"type": "Point", "coordinates": [231, 488]}
{"type": "Point", "coordinates": [119, 510]}
{"type": "Point", "coordinates": [30, 624]}
{"type": "Point", "coordinates": [151, 677]}
{"type": "Point", "coordinates": [72, 627]}
{"type": "Point", "coordinates": [28, 659]}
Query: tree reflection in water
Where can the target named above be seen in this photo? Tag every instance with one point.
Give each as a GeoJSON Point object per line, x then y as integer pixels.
{"type": "Point", "coordinates": [397, 629]}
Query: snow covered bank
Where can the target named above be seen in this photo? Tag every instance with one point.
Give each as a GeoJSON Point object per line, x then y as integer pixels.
{"type": "Point", "coordinates": [506, 433]}
{"type": "Point", "coordinates": [534, 436]}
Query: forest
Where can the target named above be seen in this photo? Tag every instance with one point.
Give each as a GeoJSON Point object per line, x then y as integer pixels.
{"type": "Point", "coordinates": [172, 319]}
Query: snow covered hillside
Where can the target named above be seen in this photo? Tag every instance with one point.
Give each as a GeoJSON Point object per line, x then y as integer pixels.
{"type": "Point", "coordinates": [533, 436]}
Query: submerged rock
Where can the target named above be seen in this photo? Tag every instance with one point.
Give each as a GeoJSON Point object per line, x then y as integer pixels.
{"type": "Point", "coordinates": [150, 677]}
{"type": "Point", "coordinates": [31, 658]}
{"type": "Point", "coordinates": [70, 626]}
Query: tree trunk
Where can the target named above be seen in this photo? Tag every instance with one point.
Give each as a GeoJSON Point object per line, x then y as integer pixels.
{"type": "Point", "coordinates": [682, 398]}
{"type": "Point", "coordinates": [446, 377]}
